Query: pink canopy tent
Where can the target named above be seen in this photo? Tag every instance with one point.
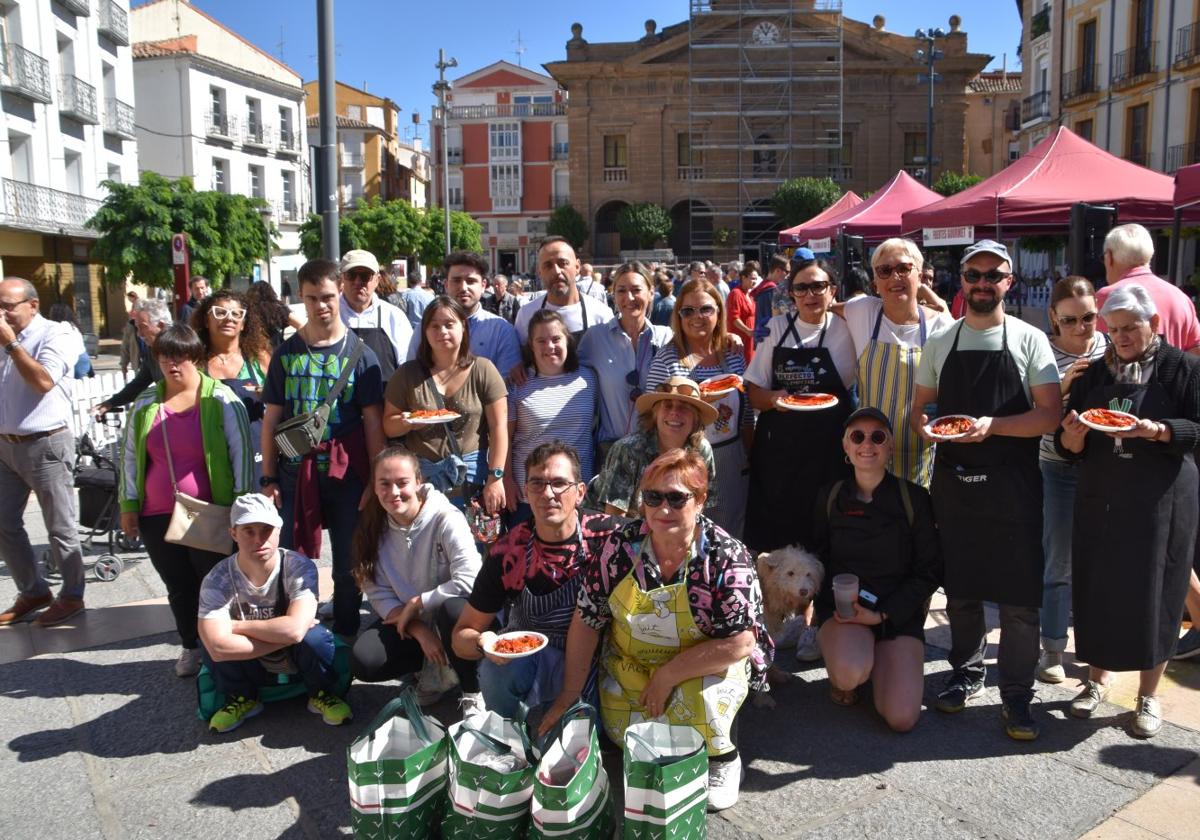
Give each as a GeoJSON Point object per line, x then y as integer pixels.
{"type": "Point", "coordinates": [878, 217]}
{"type": "Point", "coordinates": [790, 238]}
{"type": "Point", "coordinates": [1034, 194]}
{"type": "Point", "coordinates": [1187, 187]}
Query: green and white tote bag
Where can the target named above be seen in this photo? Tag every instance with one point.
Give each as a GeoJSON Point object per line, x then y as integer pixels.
{"type": "Point", "coordinates": [491, 779]}
{"type": "Point", "coordinates": [571, 795]}
{"type": "Point", "coordinates": [666, 782]}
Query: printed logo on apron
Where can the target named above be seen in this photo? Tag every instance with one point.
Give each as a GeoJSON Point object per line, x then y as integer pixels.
{"type": "Point", "coordinates": [1119, 404]}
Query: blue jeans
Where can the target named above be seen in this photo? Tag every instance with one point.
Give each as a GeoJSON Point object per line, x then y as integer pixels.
{"type": "Point", "coordinates": [1058, 513]}
{"type": "Point", "coordinates": [313, 657]}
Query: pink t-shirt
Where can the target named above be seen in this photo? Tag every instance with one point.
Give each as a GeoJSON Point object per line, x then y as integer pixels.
{"type": "Point", "coordinates": [1176, 312]}
{"type": "Point", "coordinates": [187, 454]}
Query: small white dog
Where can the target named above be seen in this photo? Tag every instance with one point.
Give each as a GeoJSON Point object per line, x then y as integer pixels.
{"type": "Point", "coordinates": [790, 578]}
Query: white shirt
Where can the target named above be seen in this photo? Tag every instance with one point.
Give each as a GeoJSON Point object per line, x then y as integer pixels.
{"type": "Point", "coordinates": [860, 314]}
{"type": "Point", "coordinates": [23, 410]}
{"type": "Point", "coordinates": [597, 313]}
{"type": "Point", "coordinates": [837, 339]}
{"type": "Point", "coordinates": [592, 288]}
{"type": "Point", "coordinates": [380, 314]}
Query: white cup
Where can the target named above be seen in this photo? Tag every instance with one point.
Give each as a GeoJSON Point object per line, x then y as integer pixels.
{"type": "Point", "coordinates": [845, 594]}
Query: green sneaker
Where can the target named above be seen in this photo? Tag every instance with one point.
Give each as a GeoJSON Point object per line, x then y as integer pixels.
{"type": "Point", "coordinates": [234, 713]}
{"type": "Point", "coordinates": [333, 710]}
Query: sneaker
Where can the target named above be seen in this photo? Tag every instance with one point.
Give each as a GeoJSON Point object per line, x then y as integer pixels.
{"type": "Point", "coordinates": [1187, 647]}
{"type": "Point", "coordinates": [188, 663]}
{"type": "Point", "coordinates": [23, 606]}
{"type": "Point", "coordinates": [724, 782]}
{"type": "Point", "coordinates": [1147, 717]}
{"type": "Point", "coordinates": [807, 649]}
{"type": "Point", "coordinates": [1019, 723]}
{"type": "Point", "coordinates": [1087, 701]}
{"type": "Point", "coordinates": [333, 710]}
{"type": "Point", "coordinates": [472, 704]}
{"type": "Point", "coordinates": [959, 689]}
{"type": "Point", "coordinates": [1050, 669]}
{"type": "Point", "coordinates": [234, 713]}
{"type": "Point", "coordinates": [58, 612]}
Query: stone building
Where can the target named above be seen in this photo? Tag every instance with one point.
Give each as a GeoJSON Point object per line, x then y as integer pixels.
{"type": "Point", "coordinates": [993, 122]}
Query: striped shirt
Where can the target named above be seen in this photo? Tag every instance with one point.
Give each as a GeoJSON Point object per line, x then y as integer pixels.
{"type": "Point", "coordinates": [25, 411]}
{"type": "Point", "coordinates": [667, 364]}
{"type": "Point", "coordinates": [1064, 360]}
{"type": "Point", "coordinates": [549, 408]}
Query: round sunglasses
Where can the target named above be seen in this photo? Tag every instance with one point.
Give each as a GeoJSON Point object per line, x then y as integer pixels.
{"type": "Point", "coordinates": [878, 437]}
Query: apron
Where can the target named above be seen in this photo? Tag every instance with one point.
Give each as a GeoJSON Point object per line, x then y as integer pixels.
{"type": "Point", "coordinates": [649, 628]}
{"type": "Point", "coordinates": [988, 496]}
{"type": "Point", "coordinates": [795, 452]}
{"type": "Point", "coordinates": [577, 335]}
{"type": "Point", "coordinates": [1135, 525]}
{"type": "Point", "coordinates": [379, 341]}
{"type": "Point", "coordinates": [886, 378]}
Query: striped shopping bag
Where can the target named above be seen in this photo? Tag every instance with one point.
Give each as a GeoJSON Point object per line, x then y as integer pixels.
{"type": "Point", "coordinates": [571, 796]}
{"type": "Point", "coordinates": [397, 771]}
{"type": "Point", "coordinates": [484, 801]}
{"type": "Point", "coordinates": [666, 782]}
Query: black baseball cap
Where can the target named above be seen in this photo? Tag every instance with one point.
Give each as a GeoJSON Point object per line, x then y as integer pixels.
{"type": "Point", "coordinates": [869, 413]}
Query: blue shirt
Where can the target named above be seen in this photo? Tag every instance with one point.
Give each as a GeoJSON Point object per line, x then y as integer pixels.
{"type": "Point", "coordinates": [492, 338]}
{"type": "Point", "coordinates": [24, 410]}
{"type": "Point", "coordinates": [415, 301]}
{"type": "Point", "coordinates": [607, 350]}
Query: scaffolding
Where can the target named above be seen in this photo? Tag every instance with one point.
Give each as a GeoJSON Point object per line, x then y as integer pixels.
{"type": "Point", "coordinates": [764, 105]}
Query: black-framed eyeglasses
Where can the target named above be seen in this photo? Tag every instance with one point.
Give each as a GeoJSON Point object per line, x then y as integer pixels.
{"type": "Point", "coordinates": [675, 498]}
{"type": "Point", "coordinates": [817, 288]}
{"type": "Point", "coordinates": [878, 437]}
{"type": "Point", "coordinates": [900, 269]}
{"type": "Point", "coordinates": [1072, 320]}
{"type": "Point", "coordinates": [706, 311]}
{"type": "Point", "coordinates": [994, 276]}
{"type": "Point", "coordinates": [557, 486]}
{"type": "Point", "coordinates": [9, 307]}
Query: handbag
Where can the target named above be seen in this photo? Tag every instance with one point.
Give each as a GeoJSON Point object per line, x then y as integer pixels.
{"type": "Point", "coordinates": [450, 473]}
{"type": "Point", "coordinates": [194, 522]}
{"type": "Point", "coordinates": [300, 435]}
{"type": "Point", "coordinates": [666, 782]}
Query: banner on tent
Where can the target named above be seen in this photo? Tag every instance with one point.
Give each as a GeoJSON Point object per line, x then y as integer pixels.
{"type": "Point", "coordinates": [820, 246]}
{"type": "Point", "coordinates": [935, 237]}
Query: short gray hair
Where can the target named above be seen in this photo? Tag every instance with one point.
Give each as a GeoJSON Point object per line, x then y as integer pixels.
{"type": "Point", "coordinates": [904, 246]}
{"type": "Point", "coordinates": [1130, 245]}
{"type": "Point", "coordinates": [1132, 298]}
{"type": "Point", "coordinates": [157, 310]}
{"type": "Point", "coordinates": [28, 289]}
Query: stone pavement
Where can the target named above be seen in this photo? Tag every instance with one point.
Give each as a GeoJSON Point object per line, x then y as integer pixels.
{"type": "Point", "coordinates": [100, 740]}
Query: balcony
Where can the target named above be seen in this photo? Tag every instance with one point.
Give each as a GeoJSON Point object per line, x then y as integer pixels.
{"type": "Point", "coordinates": [454, 156]}
{"type": "Point", "coordinates": [77, 100]}
{"type": "Point", "coordinates": [1187, 45]}
{"type": "Point", "coordinates": [1182, 155]}
{"type": "Point", "coordinates": [456, 204]}
{"type": "Point", "coordinates": [118, 118]}
{"type": "Point", "coordinates": [284, 212]}
{"type": "Point", "coordinates": [350, 196]}
{"type": "Point", "coordinates": [560, 200]}
{"type": "Point", "coordinates": [287, 142]}
{"type": "Point", "coordinates": [1012, 118]}
{"type": "Point", "coordinates": [1035, 108]}
{"type": "Point", "coordinates": [689, 173]}
{"type": "Point", "coordinates": [352, 160]}
{"type": "Point", "coordinates": [559, 151]}
{"type": "Point", "coordinates": [616, 174]}
{"type": "Point", "coordinates": [1081, 83]}
{"type": "Point", "coordinates": [25, 74]}
{"type": "Point", "coordinates": [255, 135]}
{"type": "Point", "coordinates": [114, 22]}
{"type": "Point", "coordinates": [1141, 158]}
{"type": "Point", "coordinates": [1132, 66]}
{"type": "Point", "coordinates": [42, 209]}
{"type": "Point", "coordinates": [1039, 24]}
{"type": "Point", "coordinates": [483, 112]}
{"type": "Point", "coordinates": [79, 7]}
{"type": "Point", "coordinates": [839, 172]}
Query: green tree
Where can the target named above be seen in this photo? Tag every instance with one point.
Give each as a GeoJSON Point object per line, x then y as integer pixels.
{"type": "Point", "coordinates": [798, 200]}
{"type": "Point", "coordinates": [389, 229]}
{"type": "Point", "coordinates": [949, 183]}
{"type": "Point", "coordinates": [568, 223]}
{"type": "Point", "coordinates": [465, 235]}
{"type": "Point", "coordinates": [645, 222]}
{"type": "Point", "coordinates": [350, 236]}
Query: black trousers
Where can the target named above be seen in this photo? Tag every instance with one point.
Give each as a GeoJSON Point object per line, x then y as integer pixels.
{"type": "Point", "coordinates": [182, 569]}
{"type": "Point", "coordinates": [380, 654]}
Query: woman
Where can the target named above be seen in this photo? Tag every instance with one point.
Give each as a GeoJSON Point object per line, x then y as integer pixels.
{"type": "Point", "coordinates": [64, 314]}
{"type": "Point", "coordinates": [878, 527]}
{"type": "Point", "coordinates": [739, 307]}
{"type": "Point", "coordinates": [273, 315]}
{"type": "Point", "coordinates": [672, 417]}
{"type": "Point", "coordinates": [679, 579]}
{"type": "Point", "coordinates": [458, 457]}
{"type": "Point", "coordinates": [795, 452]}
{"type": "Point", "coordinates": [1135, 509]}
{"type": "Point", "coordinates": [620, 353]}
{"type": "Point", "coordinates": [195, 428]}
{"type": "Point", "coordinates": [1076, 345]}
{"type": "Point", "coordinates": [415, 561]}
{"type": "Point", "coordinates": [889, 333]}
{"type": "Point", "coordinates": [701, 349]}
{"type": "Point", "coordinates": [556, 402]}
{"type": "Point", "coordinates": [664, 300]}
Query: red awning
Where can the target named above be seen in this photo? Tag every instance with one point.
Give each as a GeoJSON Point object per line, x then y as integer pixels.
{"type": "Point", "coordinates": [1035, 192]}
{"type": "Point", "coordinates": [878, 217]}
{"type": "Point", "coordinates": [789, 237]}
{"type": "Point", "coordinates": [1187, 187]}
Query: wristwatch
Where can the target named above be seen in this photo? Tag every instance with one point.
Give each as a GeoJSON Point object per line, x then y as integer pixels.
{"type": "Point", "coordinates": [267, 480]}
{"type": "Point", "coordinates": [496, 474]}
{"type": "Point", "coordinates": [12, 347]}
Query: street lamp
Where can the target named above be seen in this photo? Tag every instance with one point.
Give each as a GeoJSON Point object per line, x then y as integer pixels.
{"type": "Point", "coordinates": [927, 57]}
{"type": "Point", "coordinates": [441, 87]}
{"type": "Point", "coordinates": [266, 212]}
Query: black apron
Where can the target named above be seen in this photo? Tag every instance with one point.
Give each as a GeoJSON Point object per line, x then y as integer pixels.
{"type": "Point", "coordinates": [578, 334]}
{"type": "Point", "coordinates": [1131, 550]}
{"type": "Point", "coordinates": [795, 452]}
{"type": "Point", "coordinates": [379, 341]}
{"type": "Point", "coordinates": [255, 409]}
{"type": "Point", "coordinates": [987, 496]}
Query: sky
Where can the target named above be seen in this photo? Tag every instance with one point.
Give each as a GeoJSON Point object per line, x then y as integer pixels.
{"type": "Point", "coordinates": [390, 46]}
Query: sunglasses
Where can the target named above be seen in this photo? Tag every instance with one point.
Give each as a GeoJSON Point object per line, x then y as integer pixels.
{"type": "Point", "coordinates": [883, 272]}
{"type": "Point", "coordinates": [675, 498]}
{"type": "Point", "coordinates": [878, 437]}
{"type": "Point", "coordinates": [994, 276]}
{"type": "Point", "coordinates": [557, 486]}
{"type": "Point", "coordinates": [360, 276]}
{"type": "Point", "coordinates": [1072, 320]}
{"type": "Point", "coordinates": [222, 313]}
{"type": "Point", "coordinates": [632, 379]}
{"type": "Point", "coordinates": [817, 288]}
{"type": "Point", "coordinates": [706, 311]}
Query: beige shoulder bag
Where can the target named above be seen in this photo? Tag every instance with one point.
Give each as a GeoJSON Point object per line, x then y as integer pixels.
{"type": "Point", "coordinates": [194, 522]}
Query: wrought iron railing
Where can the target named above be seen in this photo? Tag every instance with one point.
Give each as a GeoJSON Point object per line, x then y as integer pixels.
{"type": "Point", "coordinates": [40, 208]}
{"type": "Point", "coordinates": [508, 109]}
{"type": "Point", "coordinates": [1133, 63]}
{"type": "Point", "coordinates": [76, 98]}
{"type": "Point", "coordinates": [287, 140]}
{"type": "Point", "coordinates": [114, 22]}
{"type": "Point", "coordinates": [1035, 107]}
{"type": "Point", "coordinates": [254, 134]}
{"type": "Point", "coordinates": [118, 118]}
{"type": "Point", "coordinates": [1185, 154]}
{"type": "Point", "coordinates": [1039, 24]}
{"type": "Point", "coordinates": [79, 7]}
{"type": "Point", "coordinates": [1081, 81]}
{"type": "Point", "coordinates": [25, 73]}
{"type": "Point", "coordinates": [218, 124]}
{"type": "Point", "coordinates": [1187, 43]}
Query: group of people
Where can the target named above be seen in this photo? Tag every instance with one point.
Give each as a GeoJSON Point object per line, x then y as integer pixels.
{"type": "Point", "coordinates": [562, 471]}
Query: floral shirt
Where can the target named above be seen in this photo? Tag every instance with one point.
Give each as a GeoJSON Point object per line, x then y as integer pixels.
{"type": "Point", "coordinates": [722, 585]}
{"type": "Point", "coordinates": [617, 483]}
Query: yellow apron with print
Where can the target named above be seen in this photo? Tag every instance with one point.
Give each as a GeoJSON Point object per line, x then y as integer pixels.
{"type": "Point", "coordinates": [648, 629]}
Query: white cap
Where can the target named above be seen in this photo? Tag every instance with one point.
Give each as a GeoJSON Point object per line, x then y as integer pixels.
{"type": "Point", "coordinates": [252, 509]}
{"type": "Point", "coordinates": [358, 258]}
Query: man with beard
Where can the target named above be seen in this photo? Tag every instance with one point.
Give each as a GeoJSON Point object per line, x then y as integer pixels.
{"type": "Point", "coordinates": [987, 490]}
{"type": "Point", "coordinates": [558, 266]}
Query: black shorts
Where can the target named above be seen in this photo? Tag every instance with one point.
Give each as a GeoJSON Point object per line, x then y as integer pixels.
{"type": "Point", "coordinates": [914, 628]}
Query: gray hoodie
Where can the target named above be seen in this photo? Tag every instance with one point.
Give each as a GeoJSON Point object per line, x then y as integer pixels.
{"type": "Point", "coordinates": [435, 558]}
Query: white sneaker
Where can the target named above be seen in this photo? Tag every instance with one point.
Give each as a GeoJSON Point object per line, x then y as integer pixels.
{"type": "Point", "coordinates": [1147, 718]}
{"type": "Point", "coordinates": [188, 663]}
{"type": "Point", "coordinates": [1050, 669]}
{"type": "Point", "coordinates": [807, 649]}
{"type": "Point", "coordinates": [472, 704]}
{"type": "Point", "coordinates": [724, 782]}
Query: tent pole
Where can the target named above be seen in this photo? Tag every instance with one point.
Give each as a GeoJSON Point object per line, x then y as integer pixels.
{"type": "Point", "coordinates": [1173, 261]}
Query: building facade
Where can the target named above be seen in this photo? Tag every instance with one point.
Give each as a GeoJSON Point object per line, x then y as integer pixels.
{"type": "Point", "coordinates": [993, 122]}
{"type": "Point", "coordinates": [507, 152]}
{"type": "Point", "coordinates": [225, 114]}
{"type": "Point", "coordinates": [67, 103]}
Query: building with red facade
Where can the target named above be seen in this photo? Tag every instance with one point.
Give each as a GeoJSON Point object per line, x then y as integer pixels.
{"type": "Point", "coordinates": [506, 141]}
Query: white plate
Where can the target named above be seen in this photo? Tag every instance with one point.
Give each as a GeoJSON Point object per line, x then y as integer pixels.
{"type": "Point", "coordinates": [515, 634]}
{"type": "Point", "coordinates": [1100, 428]}
{"type": "Point", "coordinates": [929, 428]}
{"type": "Point", "coordinates": [431, 421]}
{"type": "Point", "coordinates": [780, 404]}
{"type": "Point", "coordinates": [716, 395]}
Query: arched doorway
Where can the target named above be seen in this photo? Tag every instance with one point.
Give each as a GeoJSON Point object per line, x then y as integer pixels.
{"type": "Point", "coordinates": [691, 230]}
{"type": "Point", "coordinates": [607, 242]}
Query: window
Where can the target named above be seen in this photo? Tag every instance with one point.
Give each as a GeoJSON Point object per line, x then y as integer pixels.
{"type": "Point", "coordinates": [456, 190]}
{"type": "Point", "coordinates": [505, 186]}
{"type": "Point", "coordinates": [1143, 25]}
{"type": "Point", "coordinates": [286, 133]}
{"type": "Point", "coordinates": [504, 141]}
{"type": "Point", "coordinates": [765, 161]}
{"type": "Point", "coordinates": [256, 182]}
{"type": "Point", "coordinates": [615, 151]}
{"type": "Point", "coordinates": [220, 175]}
{"type": "Point", "coordinates": [216, 98]}
{"type": "Point", "coordinates": [690, 160]}
{"type": "Point", "coordinates": [114, 173]}
{"type": "Point", "coordinates": [506, 226]}
{"type": "Point", "coordinates": [914, 147]}
{"type": "Point", "coordinates": [538, 106]}
{"type": "Point", "coordinates": [536, 227]}
{"type": "Point", "coordinates": [73, 172]}
{"type": "Point", "coordinates": [289, 195]}
{"type": "Point", "coordinates": [1087, 55]}
{"type": "Point", "coordinates": [18, 152]}
{"type": "Point", "coordinates": [354, 112]}
{"type": "Point", "coordinates": [841, 159]}
{"type": "Point", "coordinates": [562, 188]}
{"type": "Point", "coordinates": [1136, 140]}
{"type": "Point", "coordinates": [253, 119]}
{"type": "Point", "coordinates": [1084, 129]}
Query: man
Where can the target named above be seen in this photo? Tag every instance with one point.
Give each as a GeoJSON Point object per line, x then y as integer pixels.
{"type": "Point", "coordinates": [589, 285]}
{"type": "Point", "coordinates": [381, 326]}
{"type": "Point", "coordinates": [132, 348]}
{"type": "Point", "coordinates": [763, 295]}
{"type": "Point", "coordinates": [535, 571]}
{"type": "Point", "coordinates": [697, 270]}
{"type": "Point", "coordinates": [256, 621]}
{"type": "Point", "coordinates": [987, 490]}
{"type": "Point", "coordinates": [927, 273]}
{"type": "Point", "coordinates": [712, 273]}
{"type": "Point", "coordinates": [200, 290]}
{"type": "Point", "coordinates": [151, 316]}
{"type": "Point", "coordinates": [327, 487]}
{"type": "Point", "coordinates": [558, 267]}
{"type": "Point", "coordinates": [416, 297]}
{"type": "Point", "coordinates": [500, 302]}
{"type": "Point", "coordinates": [37, 450]}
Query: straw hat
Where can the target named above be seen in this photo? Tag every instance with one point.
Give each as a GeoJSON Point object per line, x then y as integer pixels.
{"type": "Point", "coordinates": [677, 388]}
